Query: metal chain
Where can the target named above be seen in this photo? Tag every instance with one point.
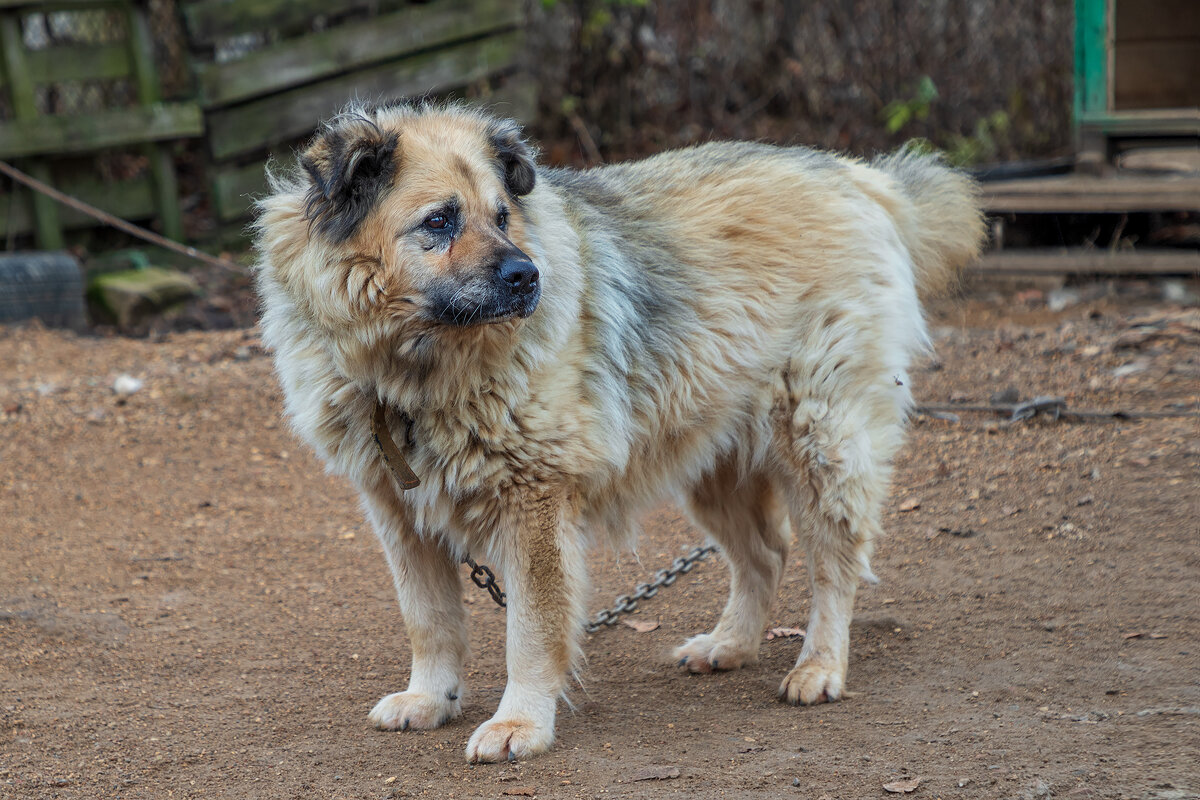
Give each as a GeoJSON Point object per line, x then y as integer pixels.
{"type": "Point", "coordinates": [644, 591]}
{"type": "Point", "coordinates": [485, 579]}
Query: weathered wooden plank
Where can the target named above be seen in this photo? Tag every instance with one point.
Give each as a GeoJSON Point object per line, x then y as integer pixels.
{"type": "Point", "coordinates": [128, 200]}
{"type": "Point", "coordinates": [1081, 194]}
{"type": "Point", "coordinates": [299, 61]}
{"type": "Point", "coordinates": [1154, 122]}
{"type": "Point", "coordinates": [1163, 74]}
{"type": "Point", "coordinates": [20, 85]}
{"type": "Point", "coordinates": [99, 130]}
{"type": "Point", "coordinates": [54, 5]}
{"type": "Point", "coordinates": [209, 20]}
{"type": "Point", "coordinates": [162, 164]}
{"type": "Point", "coordinates": [512, 95]}
{"type": "Point", "coordinates": [1094, 262]}
{"type": "Point", "coordinates": [16, 69]}
{"type": "Point", "coordinates": [79, 62]}
{"type": "Point", "coordinates": [1139, 20]}
{"type": "Point", "coordinates": [235, 187]}
{"type": "Point", "coordinates": [289, 115]}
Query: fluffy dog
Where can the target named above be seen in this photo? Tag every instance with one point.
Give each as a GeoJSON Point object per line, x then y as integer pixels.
{"type": "Point", "coordinates": [552, 351]}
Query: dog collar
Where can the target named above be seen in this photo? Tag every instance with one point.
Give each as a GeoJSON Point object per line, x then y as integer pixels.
{"type": "Point", "coordinates": [393, 459]}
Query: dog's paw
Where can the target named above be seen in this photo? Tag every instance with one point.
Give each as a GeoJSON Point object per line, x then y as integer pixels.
{"type": "Point", "coordinates": [404, 711]}
{"type": "Point", "coordinates": [813, 681]}
{"type": "Point", "coordinates": [706, 653]}
{"type": "Point", "coordinates": [501, 739]}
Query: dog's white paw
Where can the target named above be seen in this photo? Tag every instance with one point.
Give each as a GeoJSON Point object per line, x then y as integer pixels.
{"type": "Point", "coordinates": [501, 739]}
{"type": "Point", "coordinates": [404, 711]}
{"type": "Point", "coordinates": [813, 680]}
{"type": "Point", "coordinates": [706, 653]}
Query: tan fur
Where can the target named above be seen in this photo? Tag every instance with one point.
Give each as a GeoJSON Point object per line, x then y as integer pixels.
{"type": "Point", "coordinates": [730, 325]}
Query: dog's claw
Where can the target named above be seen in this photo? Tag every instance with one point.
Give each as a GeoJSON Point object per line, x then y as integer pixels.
{"type": "Point", "coordinates": [682, 662]}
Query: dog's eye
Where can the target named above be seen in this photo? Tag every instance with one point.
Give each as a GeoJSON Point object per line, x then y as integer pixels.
{"type": "Point", "coordinates": [502, 220]}
{"type": "Point", "coordinates": [437, 221]}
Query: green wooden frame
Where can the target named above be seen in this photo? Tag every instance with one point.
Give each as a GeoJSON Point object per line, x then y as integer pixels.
{"type": "Point", "coordinates": [1093, 54]}
{"type": "Point", "coordinates": [36, 139]}
{"type": "Point", "coordinates": [1098, 125]}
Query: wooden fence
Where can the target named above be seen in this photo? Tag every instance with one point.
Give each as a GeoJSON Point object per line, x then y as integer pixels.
{"type": "Point", "coordinates": [263, 73]}
{"type": "Point", "coordinates": [79, 81]}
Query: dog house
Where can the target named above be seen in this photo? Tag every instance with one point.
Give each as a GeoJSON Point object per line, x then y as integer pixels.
{"type": "Point", "coordinates": [1137, 76]}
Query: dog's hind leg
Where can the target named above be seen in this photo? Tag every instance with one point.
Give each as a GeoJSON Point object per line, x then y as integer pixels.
{"type": "Point", "coordinates": [744, 516]}
{"type": "Point", "coordinates": [835, 488]}
{"type": "Point", "coordinates": [430, 595]}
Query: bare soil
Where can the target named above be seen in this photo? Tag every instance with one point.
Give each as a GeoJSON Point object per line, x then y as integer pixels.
{"type": "Point", "coordinates": [190, 607]}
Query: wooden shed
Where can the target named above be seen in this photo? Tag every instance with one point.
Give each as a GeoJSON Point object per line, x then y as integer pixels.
{"type": "Point", "coordinates": [1137, 76]}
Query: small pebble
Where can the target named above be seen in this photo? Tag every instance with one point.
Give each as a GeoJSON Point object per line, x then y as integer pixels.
{"type": "Point", "coordinates": [126, 385]}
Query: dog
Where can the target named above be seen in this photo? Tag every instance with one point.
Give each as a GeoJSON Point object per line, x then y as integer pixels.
{"type": "Point", "coordinates": [511, 362]}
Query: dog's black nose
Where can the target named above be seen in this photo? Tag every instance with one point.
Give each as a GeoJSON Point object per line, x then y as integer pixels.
{"type": "Point", "coordinates": [520, 274]}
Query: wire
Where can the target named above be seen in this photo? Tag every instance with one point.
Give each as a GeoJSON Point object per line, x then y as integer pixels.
{"type": "Point", "coordinates": [117, 222]}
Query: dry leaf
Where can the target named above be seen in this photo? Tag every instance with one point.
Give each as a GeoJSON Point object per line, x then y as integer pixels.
{"type": "Point", "coordinates": [641, 625]}
{"type": "Point", "coordinates": [912, 504]}
{"type": "Point", "coordinates": [903, 785]}
{"type": "Point", "coordinates": [520, 791]}
{"type": "Point", "coordinates": [655, 774]}
{"type": "Point", "coordinates": [1134, 635]}
{"type": "Point", "coordinates": [783, 633]}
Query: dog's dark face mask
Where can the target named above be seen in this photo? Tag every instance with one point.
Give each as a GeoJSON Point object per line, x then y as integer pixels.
{"type": "Point", "coordinates": [428, 209]}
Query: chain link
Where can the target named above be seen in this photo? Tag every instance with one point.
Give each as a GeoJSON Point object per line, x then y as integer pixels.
{"type": "Point", "coordinates": [484, 578]}
{"type": "Point", "coordinates": [644, 591]}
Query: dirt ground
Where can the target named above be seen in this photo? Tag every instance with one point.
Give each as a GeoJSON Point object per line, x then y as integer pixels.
{"type": "Point", "coordinates": [190, 607]}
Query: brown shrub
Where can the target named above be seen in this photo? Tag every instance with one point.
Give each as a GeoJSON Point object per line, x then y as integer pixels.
{"type": "Point", "coordinates": [621, 78]}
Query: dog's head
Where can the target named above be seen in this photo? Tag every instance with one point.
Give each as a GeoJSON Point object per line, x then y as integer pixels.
{"type": "Point", "coordinates": [406, 216]}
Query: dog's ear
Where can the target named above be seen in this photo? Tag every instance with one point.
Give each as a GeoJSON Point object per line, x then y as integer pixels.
{"type": "Point", "coordinates": [350, 163]}
{"type": "Point", "coordinates": [515, 156]}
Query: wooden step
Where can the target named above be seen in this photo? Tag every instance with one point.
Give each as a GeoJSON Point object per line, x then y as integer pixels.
{"type": "Point", "coordinates": [1082, 194]}
{"type": "Point", "coordinates": [1066, 261]}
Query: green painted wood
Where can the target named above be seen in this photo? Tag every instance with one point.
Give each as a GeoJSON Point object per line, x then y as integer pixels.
{"type": "Point", "coordinates": [20, 86]}
{"type": "Point", "coordinates": [16, 70]}
{"type": "Point", "coordinates": [514, 96]}
{"type": "Point", "coordinates": [235, 187]}
{"type": "Point", "coordinates": [127, 199]}
{"type": "Point", "coordinates": [1092, 40]}
{"type": "Point", "coordinates": [141, 50]}
{"type": "Point", "coordinates": [210, 20]}
{"type": "Point", "coordinates": [353, 46]}
{"type": "Point", "coordinates": [162, 165]}
{"type": "Point", "coordinates": [54, 5]}
{"type": "Point", "coordinates": [100, 130]}
{"type": "Point", "coordinates": [79, 62]}
{"type": "Point", "coordinates": [286, 116]}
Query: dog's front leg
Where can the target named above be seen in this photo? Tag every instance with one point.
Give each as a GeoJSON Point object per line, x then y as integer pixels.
{"type": "Point", "coordinates": [430, 595]}
{"type": "Point", "coordinates": [542, 564]}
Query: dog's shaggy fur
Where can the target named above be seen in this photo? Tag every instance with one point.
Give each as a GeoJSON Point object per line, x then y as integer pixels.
{"type": "Point", "coordinates": [730, 325]}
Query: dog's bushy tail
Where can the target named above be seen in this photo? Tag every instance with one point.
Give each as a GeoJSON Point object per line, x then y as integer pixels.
{"type": "Point", "coordinates": [942, 225]}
